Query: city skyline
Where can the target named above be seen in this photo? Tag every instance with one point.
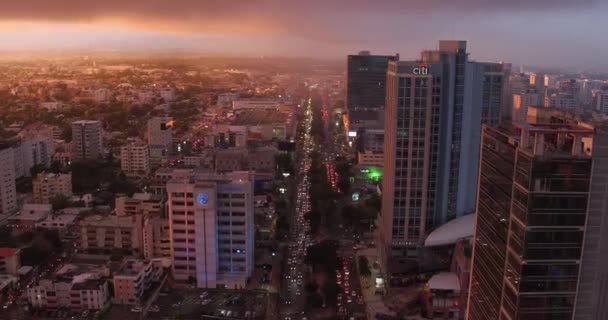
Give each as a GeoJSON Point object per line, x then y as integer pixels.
{"type": "Point", "coordinates": [322, 30]}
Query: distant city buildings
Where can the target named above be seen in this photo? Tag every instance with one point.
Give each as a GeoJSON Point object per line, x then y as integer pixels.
{"type": "Point", "coordinates": [87, 140]}
{"type": "Point", "coordinates": [212, 229]}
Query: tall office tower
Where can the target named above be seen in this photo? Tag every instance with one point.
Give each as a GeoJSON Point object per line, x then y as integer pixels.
{"type": "Point", "coordinates": [366, 79]}
{"type": "Point", "coordinates": [87, 139]}
{"type": "Point", "coordinates": [540, 203]}
{"type": "Point", "coordinates": [433, 116]}
{"type": "Point", "coordinates": [160, 136]}
{"type": "Point", "coordinates": [135, 159]}
{"type": "Point", "coordinates": [8, 189]}
{"type": "Point", "coordinates": [212, 229]}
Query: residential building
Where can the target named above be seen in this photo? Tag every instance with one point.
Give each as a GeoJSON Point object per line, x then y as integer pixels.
{"type": "Point", "coordinates": [47, 186]}
{"type": "Point", "coordinates": [434, 110]}
{"type": "Point", "coordinates": [133, 279]}
{"type": "Point", "coordinates": [168, 94]}
{"type": "Point", "coordinates": [30, 152]}
{"type": "Point", "coordinates": [87, 141]}
{"type": "Point", "coordinates": [69, 292]}
{"type": "Point", "coordinates": [106, 234]}
{"type": "Point", "coordinates": [600, 101]}
{"type": "Point", "coordinates": [146, 204]}
{"type": "Point", "coordinates": [212, 229]}
{"type": "Point", "coordinates": [521, 102]}
{"type": "Point", "coordinates": [135, 159]}
{"type": "Point", "coordinates": [157, 238]}
{"type": "Point", "coordinates": [8, 189]}
{"type": "Point", "coordinates": [30, 215]}
{"type": "Point", "coordinates": [366, 79]}
{"type": "Point", "coordinates": [370, 158]}
{"type": "Point", "coordinates": [160, 136]}
{"type": "Point", "coordinates": [537, 252]}
{"type": "Point", "coordinates": [10, 261]}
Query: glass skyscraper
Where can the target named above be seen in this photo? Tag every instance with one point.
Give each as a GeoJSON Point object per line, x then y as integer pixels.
{"type": "Point", "coordinates": [536, 196]}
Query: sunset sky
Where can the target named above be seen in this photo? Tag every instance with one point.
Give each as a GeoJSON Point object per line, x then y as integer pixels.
{"type": "Point", "coordinates": [569, 33]}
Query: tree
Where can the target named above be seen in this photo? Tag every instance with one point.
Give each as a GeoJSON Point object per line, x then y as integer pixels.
{"type": "Point", "coordinates": [364, 266]}
{"type": "Point", "coordinates": [331, 290]}
{"type": "Point", "coordinates": [311, 287]}
{"type": "Point", "coordinates": [59, 202]}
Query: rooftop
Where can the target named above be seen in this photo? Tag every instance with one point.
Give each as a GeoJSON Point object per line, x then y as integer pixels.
{"type": "Point", "coordinates": [444, 281]}
{"type": "Point", "coordinates": [452, 231]}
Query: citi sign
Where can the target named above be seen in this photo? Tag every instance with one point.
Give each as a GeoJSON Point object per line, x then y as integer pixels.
{"type": "Point", "coordinates": [422, 69]}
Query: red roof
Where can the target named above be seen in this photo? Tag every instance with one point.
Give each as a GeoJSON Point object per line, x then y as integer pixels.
{"type": "Point", "coordinates": [7, 252]}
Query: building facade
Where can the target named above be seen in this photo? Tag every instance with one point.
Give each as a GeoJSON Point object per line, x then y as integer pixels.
{"type": "Point", "coordinates": [135, 159]}
{"type": "Point", "coordinates": [535, 202]}
{"type": "Point", "coordinates": [87, 140]}
{"type": "Point", "coordinates": [47, 186]}
{"type": "Point", "coordinates": [107, 234]}
{"type": "Point", "coordinates": [366, 79]}
{"type": "Point", "coordinates": [434, 110]}
{"type": "Point", "coordinates": [8, 189]}
{"type": "Point", "coordinates": [160, 136]}
{"type": "Point", "coordinates": [212, 229]}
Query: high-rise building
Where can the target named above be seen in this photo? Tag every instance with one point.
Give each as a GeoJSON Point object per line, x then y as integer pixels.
{"type": "Point", "coordinates": [47, 186]}
{"type": "Point", "coordinates": [135, 159]}
{"type": "Point", "coordinates": [521, 103]}
{"type": "Point", "coordinates": [160, 136]}
{"type": "Point", "coordinates": [434, 110]}
{"type": "Point", "coordinates": [87, 138]}
{"type": "Point", "coordinates": [538, 240]}
{"type": "Point", "coordinates": [8, 189]}
{"type": "Point", "coordinates": [212, 229]}
{"type": "Point", "coordinates": [600, 101]}
{"type": "Point", "coordinates": [29, 152]}
{"type": "Point", "coordinates": [366, 79]}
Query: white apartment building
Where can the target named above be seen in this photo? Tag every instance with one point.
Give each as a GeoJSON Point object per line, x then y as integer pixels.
{"type": "Point", "coordinates": [47, 186]}
{"type": "Point", "coordinates": [31, 151]}
{"type": "Point", "coordinates": [212, 229]}
{"type": "Point", "coordinates": [160, 136]}
{"type": "Point", "coordinates": [87, 139]}
{"type": "Point", "coordinates": [8, 189]}
{"type": "Point", "coordinates": [135, 159]}
{"type": "Point", "coordinates": [76, 293]}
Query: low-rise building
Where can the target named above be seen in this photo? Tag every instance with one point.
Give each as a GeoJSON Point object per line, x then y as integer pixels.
{"type": "Point", "coordinates": [47, 186]}
{"type": "Point", "coordinates": [30, 215]}
{"type": "Point", "coordinates": [140, 203]}
{"type": "Point", "coordinates": [368, 158]}
{"type": "Point", "coordinates": [10, 261]}
{"type": "Point", "coordinates": [111, 233]}
{"type": "Point", "coordinates": [133, 278]}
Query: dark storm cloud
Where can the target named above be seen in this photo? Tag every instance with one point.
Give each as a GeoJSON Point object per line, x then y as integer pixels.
{"type": "Point", "coordinates": [281, 13]}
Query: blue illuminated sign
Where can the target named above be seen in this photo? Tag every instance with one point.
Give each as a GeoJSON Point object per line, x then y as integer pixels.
{"type": "Point", "coordinates": [202, 198]}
